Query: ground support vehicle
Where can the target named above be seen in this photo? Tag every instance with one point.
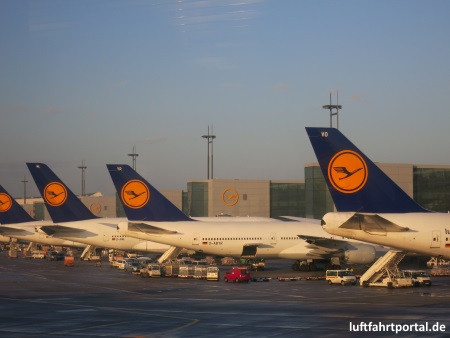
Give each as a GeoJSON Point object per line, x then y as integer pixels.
{"type": "Point", "coordinates": [385, 272]}
{"type": "Point", "coordinates": [212, 273]}
{"type": "Point", "coordinates": [38, 254]}
{"type": "Point", "coordinates": [200, 271]}
{"type": "Point", "coordinates": [418, 277]}
{"type": "Point", "coordinates": [440, 270]}
{"type": "Point", "coordinates": [12, 253]}
{"type": "Point", "coordinates": [69, 261]}
{"type": "Point", "coordinates": [342, 277]}
{"type": "Point", "coordinates": [153, 270]}
{"type": "Point", "coordinates": [134, 267]}
{"type": "Point", "coordinates": [437, 261]}
{"type": "Point", "coordinates": [237, 275]}
{"type": "Point", "coordinates": [51, 255]}
{"type": "Point", "coordinates": [254, 264]}
{"type": "Point", "coordinates": [183, 271]}
{"type": "Point", "coordinates": [171, 269]}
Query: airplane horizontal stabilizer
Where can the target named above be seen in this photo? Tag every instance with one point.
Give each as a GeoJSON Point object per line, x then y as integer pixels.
{"type": "Point", "coordinates": [374, 224]}
{"type": "Point", "coordinates": [8, 231]}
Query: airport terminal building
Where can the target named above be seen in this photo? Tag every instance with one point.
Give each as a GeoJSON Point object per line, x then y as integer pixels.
{"type": "Point", "coordinates": [429, 185]}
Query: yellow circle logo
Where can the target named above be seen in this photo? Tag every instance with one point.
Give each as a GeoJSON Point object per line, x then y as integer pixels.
{"type": "Point", "coordinates": [230, 197]}
{"type": "Point", "coordinates": [135, 194]}
{"type": "Point", "coordinates": [347, 172]}
{"type": "Point", "coordinates": [55, 194]}
{"type": "Point", "coordinates": [5, 202]}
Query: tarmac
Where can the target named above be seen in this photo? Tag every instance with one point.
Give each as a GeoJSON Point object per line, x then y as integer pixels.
{"type": "Point", "coordinates": [44, 298]}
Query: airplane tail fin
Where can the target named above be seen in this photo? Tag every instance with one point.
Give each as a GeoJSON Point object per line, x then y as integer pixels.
{"type": "Point", "coordinates": [62, 204]}
{"type": "Point", "coordinates": [141, 201]}
{"type": "Point", "coordinates": [10, 211]}
{"type": "Point", "coordinates": [354, 181]}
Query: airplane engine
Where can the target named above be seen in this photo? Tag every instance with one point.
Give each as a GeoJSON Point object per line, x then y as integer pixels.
{"type": "Point", "coordinates": [359, 254]}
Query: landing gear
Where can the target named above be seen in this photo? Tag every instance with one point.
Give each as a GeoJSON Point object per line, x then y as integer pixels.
{"type": "Point", "coordinates": [304, 266]}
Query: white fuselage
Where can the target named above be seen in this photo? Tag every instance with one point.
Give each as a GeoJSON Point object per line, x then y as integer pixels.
{"type": "Point", "coordinates": [30, 232]}
{"type": "Point", "coordinates": [426, 233]}
{"type": "Point", "coordinates": [273, 239]}
{"type": "Point", "coordinates": [102, 233]}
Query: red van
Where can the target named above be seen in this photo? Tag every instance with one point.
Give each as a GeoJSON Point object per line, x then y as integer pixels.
{"type": "Point", "coordinates": [237, 275]}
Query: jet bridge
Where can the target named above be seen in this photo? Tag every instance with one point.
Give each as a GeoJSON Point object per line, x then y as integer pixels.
{"type": "Point", "coordinates": [385, 272]}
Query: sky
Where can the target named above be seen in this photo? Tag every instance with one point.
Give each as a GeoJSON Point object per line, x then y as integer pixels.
{"type": "Point", "coordinates": [90, 80]}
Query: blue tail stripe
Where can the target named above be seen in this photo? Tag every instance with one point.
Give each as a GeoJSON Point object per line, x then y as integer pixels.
{"type": "Point", "coordinates": [158, 208]}
{"type": "Point", "coordinates": [15, 213]}
{"type": "Point", "coordinates": [379, 194]}
{"type": "Point", "coordinates": [72, 209]}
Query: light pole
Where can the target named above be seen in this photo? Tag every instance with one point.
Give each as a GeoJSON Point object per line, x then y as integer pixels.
{"type": "Point", "coordinates": [134, 155]}
{"type": "Point", "coordinates": [331, 107]}
{"type": "Point", "coordinates": [83, 169]}
{"type": "Point", "coordinates": [208, 138]}
{"type": "Point", "coordinates": [24, 189]}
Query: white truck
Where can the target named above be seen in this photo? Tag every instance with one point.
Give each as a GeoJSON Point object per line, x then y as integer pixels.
{"type": "Point", "coordinates": [151, 270]}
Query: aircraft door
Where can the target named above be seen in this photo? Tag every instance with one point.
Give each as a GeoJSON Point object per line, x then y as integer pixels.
{"type": "Point", "coordinates": [196, 239]}
{"type": "Point", "coordinates": [105, 237]}
{"type": "Point", "coordinates": [435, 239]}
{"type": "Point", "coordinates": [273, 238]}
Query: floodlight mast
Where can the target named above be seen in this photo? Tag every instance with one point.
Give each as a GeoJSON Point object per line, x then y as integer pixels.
{"type": "Point", "coordinates": [134, 155]}
{"type": "Point", "coordinates": [24, 189]}
{"type": "Point", "coordinates": [331, 107]}
{"type": "Point", "coordinates": [209, 139]}
{"type": "Point", "coordinates": [83, 182]}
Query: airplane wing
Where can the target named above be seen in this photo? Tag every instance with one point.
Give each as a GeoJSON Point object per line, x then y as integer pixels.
{"type": "Point", "coordinates": [65, 231]}
{"type": "Point", "coordinates": [320, 246]}
{"type": "Point", "coordinates": [8, 231]}
{"type": "Point", "coordinates": [149, 229]}
{"type": "Point", "coordinates": [255, 244]}
{"type": "Point", "coordinates": [323, 242]}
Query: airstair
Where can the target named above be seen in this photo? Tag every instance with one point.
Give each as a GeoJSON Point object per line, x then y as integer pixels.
{"type": "Point", "coordinates": [89, 251]}
{"type": "Point", "coordinates": [172, 252]}
{"type": "Point", "coordinates": [385, 272]}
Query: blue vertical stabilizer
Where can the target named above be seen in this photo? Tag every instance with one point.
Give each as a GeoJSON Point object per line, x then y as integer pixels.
{"type": "Point", "coordinates": [141, 201]}
{"type": "Point", "coordinates": [355, 182]}
{"type": "Point", "coordinates": [62, 204]}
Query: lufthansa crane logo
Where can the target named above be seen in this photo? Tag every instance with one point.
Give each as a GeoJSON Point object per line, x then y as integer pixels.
{"type": "Point", "coordinates": [95, 208]}
{"type": "Point", "coordinates": [5, 202]}
{"type": "Point", "coordinates": [55, 194]}
{"type": "Point", "coordinates": [347, 172]}
{"type": "Point", "coordinates": [230, 197]}
{"type": "Point", "coordinates": [135, 194]}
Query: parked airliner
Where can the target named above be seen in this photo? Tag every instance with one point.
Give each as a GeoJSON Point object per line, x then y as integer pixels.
{"type": "Point", "coordinates": [17, 223]}
{"type": "Point", "coordinates": [371, 207]}
{"type": "Point", "coordinates": [75, 222]}
{"type": "Point", "coordinates": [152, 217]}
